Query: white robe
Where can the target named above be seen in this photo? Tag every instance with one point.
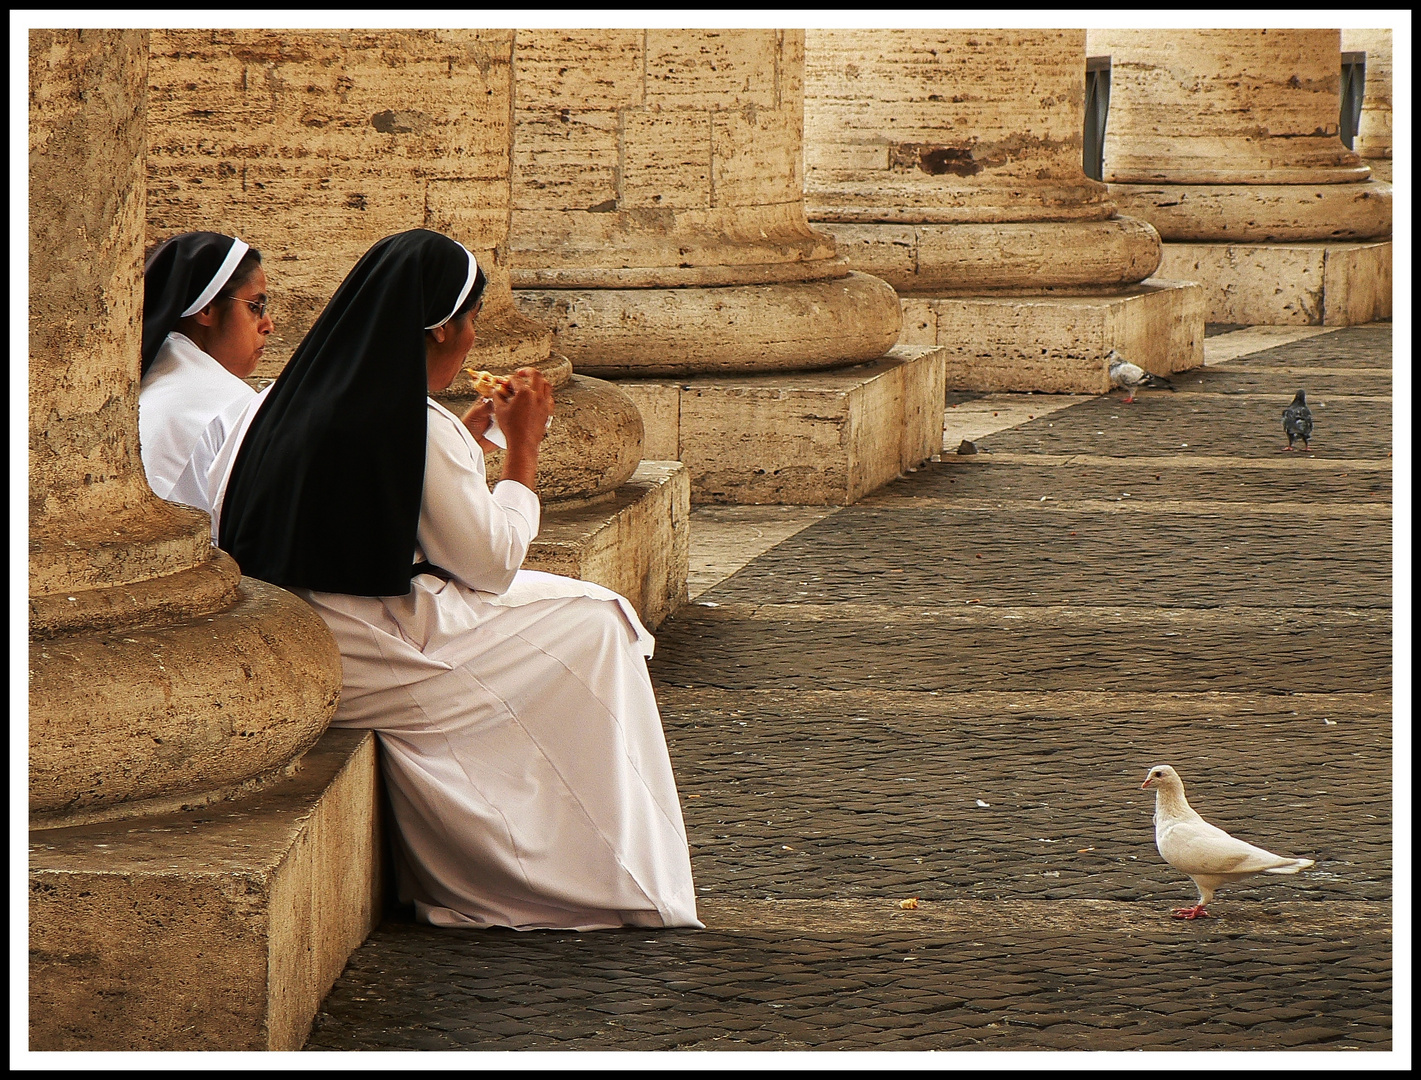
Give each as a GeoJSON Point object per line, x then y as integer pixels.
{"type": "Point", "coordinates": [522, 746]}
{"type": "Point", "coordinates": [187, 405]}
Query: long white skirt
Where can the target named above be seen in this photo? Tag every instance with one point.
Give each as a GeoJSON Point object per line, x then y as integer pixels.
{"type": "Point", "coordinates": [528, 772]}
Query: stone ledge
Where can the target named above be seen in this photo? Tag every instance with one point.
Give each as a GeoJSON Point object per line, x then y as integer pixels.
{"type": "Point", "coordinates": [1303, 284]}
{"type": "Point", "coordinates": [634, 541]}
{"type": "Point", "coordinates": [821, 439]}
{"type": "Point", "coordinates": [220, 928]}
{"type": "Point", "coordinates": [1058, 344]}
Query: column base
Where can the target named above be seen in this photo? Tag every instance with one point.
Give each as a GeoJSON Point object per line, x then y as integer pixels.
{"type": "Point", "coordinates": [1315, 284]}
{"type": "Point", "coordinates": [634, 541]}
{"type": "Point", "coordinates": [821, 439]}
{"type": "Point", "coordinates": [1058, 344]}
{"type": "Point", "coordinates": [218, 928]}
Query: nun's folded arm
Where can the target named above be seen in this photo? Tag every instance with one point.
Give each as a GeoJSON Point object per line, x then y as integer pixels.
{"type": "Point", "coordinates": [479, 536]}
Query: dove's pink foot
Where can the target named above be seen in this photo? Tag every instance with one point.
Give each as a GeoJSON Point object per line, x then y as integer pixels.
{"type": "Point", "coordinates": [1195, 912]}
{"type": "Point", "coordinates": [1126, 401]}
{"type": "Point", "coordinates": [1288, 447]}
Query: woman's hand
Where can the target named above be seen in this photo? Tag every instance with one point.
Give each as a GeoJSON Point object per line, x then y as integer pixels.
{"type": "Point", "coordinates": [524, 407]}
{"type": "Point", "coordinates": [477, 420]}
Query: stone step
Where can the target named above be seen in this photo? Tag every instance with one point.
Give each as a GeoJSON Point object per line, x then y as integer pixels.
{"type": "Point", "coordinates": [815, 438]}
{"type": "Point", "coordinates": [219, 928]}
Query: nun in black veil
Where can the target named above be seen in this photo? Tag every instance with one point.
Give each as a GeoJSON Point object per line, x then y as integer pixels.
{"type": "Point", "coordinates": [205, 325]}
{"type": "Point", "coordinates": [522, 745]}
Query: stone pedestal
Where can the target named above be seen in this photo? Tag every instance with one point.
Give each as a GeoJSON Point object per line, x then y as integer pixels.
{"type": "Point", "coordinates": [948, 163]}
{"type": "Point", "coordinates": [219, 928]}
{"type": "Point", "coordinates": [1373, 141]}
{"type": "Point", "coordinates": [817, 438]}
{"type": "Point", "coordinates": [159, 678]}
{"type": "Point", "coordinates": [1057, 344]}
{"type": "Point", "coordinates": [312, 145]}
{"type": "Point", "coordinates": [658, 224]}
{"type": "Point", "coordinates": [1227, 142]}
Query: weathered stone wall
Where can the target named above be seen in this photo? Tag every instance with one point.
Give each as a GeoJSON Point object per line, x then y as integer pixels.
{"type": "Point", "coordinates": [93, 521]}
{"type": "Point", "coordinates": [312, 145]}
{"type": "Point", "coordinates": [1373, 140]}
{"type": "Point", "coordinates": [660, 158]}
{"type": "Point", "coordinates": [947, 126]}
{"type": "Point", "coordinates": [1224, 107]}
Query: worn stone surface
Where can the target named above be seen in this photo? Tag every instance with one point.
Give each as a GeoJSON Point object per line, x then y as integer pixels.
{"type": "Point", "coordinates": [734, 329]}
{"type": "Point", "coordinates": [946, 126]}
{"type": "Point", "coordinates": [660, 158]}
{"type": "Point", "coordinates": [1273, 213]}
{"type": "Point", "coordinates": [949, 163]}
{"type": "Point", "coordinates": [633, 540]}
{"type": "Point", "coordinates": [177, 711]}
{"type": "Point", "coordinates": [1058, 343]}
{"type": "Point", "coordinates": [219, 928]}
{"type": "Point", "coordinates": [1233, 106]}
{"type": "Point", "coordinates": [1373, 141]}
{"type": "Point", "coordinates": [93, 522]}
{"type": "Point", "coordinates": [824, 781]}
{"type": "Point", "coordinates": [824, 438]}
{"type": "Point", "coordinates": [1305, 284]}
{"type": "Point", "coordinates": [313, 144]}
{"type": "Point", "coordinates": [1012, 257]}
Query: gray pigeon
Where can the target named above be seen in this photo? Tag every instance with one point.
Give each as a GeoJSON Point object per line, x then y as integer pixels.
{"type": "Point", "coordinates": [1124, 373]}
{"type": "Point", "coordinates": [1205, 852]}
{"type": "Point", "coordinates": [1297, 420]}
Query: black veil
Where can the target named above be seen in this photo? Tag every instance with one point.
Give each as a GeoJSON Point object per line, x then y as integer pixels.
{"type": "Point", "coordinates": [325, 490]}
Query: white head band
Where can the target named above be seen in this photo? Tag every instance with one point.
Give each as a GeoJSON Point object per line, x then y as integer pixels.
{"type": "Point", "coordinates": [464, 292]}
{"type": "Point", "coordinates": [234, 256]}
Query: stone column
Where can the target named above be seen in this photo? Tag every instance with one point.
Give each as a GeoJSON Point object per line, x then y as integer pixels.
{"type": "Point", "coordinates": [312, 145]}
{"type": "Point", "coordinates": [1373, 142]}
{"type": "Point", "coordinates": [1227, 142]}
{"type": "Point", "coordinates": [948, 162]}
{"type": "Point", "coordinates": [658, 227]}
{"type": "Point", "coordinates": [172, 702]}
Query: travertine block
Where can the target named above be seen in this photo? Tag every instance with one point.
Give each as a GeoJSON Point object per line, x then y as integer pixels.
{"type": "Point", "coordinates": [691, 179]}
{"type": "Point", "coordinates": [1058, 344]}
{"type": "Point", "coordinates": [1318, 284]}
{"type": "Point", "coordinates": [634, 541]}
{"type": "Point", "coordinates": [1260, 213]}
{"type": "Point", "coordinates": [1373, 140]}
{"type": "Point", "coordinates": [744, 328]}
{"type": "Point", "coordinates": [220, 928]}
{"type": "Point", "coordinates": [826, 438]}
{"type": "Point", "coordinates": [1025, 256]}
{"type": "Point", "coordinates": [1237, 106]}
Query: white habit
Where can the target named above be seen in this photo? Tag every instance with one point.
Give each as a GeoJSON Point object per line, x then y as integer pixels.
{"type": "Point", "coordinates": [522, 746]}
{"type": "Point", "coordinates": [187, 405]}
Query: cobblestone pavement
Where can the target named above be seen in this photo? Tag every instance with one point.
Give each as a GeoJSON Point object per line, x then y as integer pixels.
{"type": "Point", "coordinates": [950, 692]}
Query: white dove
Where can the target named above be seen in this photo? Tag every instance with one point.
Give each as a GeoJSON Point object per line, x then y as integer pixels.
{"type": "Point", "coordinates": [1205, 852]}
{"type": "Point", "coordinates": [1124, 373]}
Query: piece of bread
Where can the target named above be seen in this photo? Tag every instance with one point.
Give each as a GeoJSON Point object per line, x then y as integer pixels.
{"type": "Point", "coordinates": [485, 382]}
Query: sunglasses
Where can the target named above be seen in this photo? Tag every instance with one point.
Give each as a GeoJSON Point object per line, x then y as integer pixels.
{"type": "Point", "coordinates": [259, 306]}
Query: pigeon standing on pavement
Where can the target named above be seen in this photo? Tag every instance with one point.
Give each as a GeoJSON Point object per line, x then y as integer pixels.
{"type": "Point", "coordinates": [1297, 420]}
{"type": "Point", "coordinates": [1124, 373]}
{"type": "Point", "coordinates": [1205, 852]}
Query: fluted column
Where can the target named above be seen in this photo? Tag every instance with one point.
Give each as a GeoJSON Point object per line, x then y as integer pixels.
{"type": "Point", "coordinates": [658, 219]}
{"type": "Point", "coordinates": [1373, 141]}
{"type": "Point", "coordinates": [948, 162]}
{"type": "Point", "coordinates": [1230, 137]}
